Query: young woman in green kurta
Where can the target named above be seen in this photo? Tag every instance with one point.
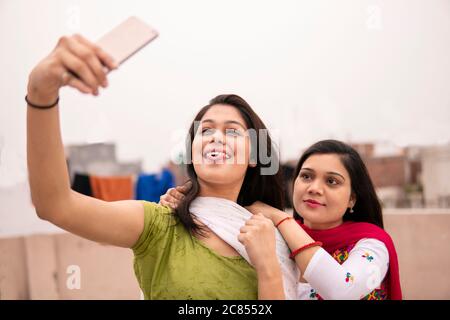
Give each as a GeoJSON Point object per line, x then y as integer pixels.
{"type": "Point", "coordinates": [176, 257]}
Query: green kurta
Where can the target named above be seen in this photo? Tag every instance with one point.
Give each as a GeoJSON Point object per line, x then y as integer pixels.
{"type": "Point", "coordinates": [170, 263]}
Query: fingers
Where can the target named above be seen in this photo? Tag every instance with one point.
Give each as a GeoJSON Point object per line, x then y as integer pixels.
{"type": "Point", "coordinates": [86, 61]}
{"type": "Point", "coordinates": [167, 200]}
{"type": "Point", "coordinates": [164, 203]}
{"type": "Point", "coordinates": [89, 56]}
{"type": "Point", "coordinates": [257, 218]}
{"type": "Point", "coordinates": [81, 69]}
{"type": "Point", "coordinates": [104, 57]}
{"type": "Point", "coordinates": [259, 232]}
{"type": "Point", "coordinates": [259, 224]}
{"type": "Point", "coordinates": [168, 204]}
{"type": "Point", "coordinates": [251, 222]}
{"type": "Point", "coordinates": [77, 84]}
{"type": "Point", "coordinates": [176, 194]}
{"type": "Point", "coordinates": [245, 229]}
{"type": "Point", "coordinates": [242, 238]}
{"type": "Point", "coordinates": [185, 187]}
{"type": "Point", "coordinates": [252, 226]}
{"type": "Point", "coordinates": [173, 196]}
{"type": "Point", "coordinates": [245, 239]}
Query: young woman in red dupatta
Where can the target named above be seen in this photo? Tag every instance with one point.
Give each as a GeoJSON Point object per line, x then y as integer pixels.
{"type": "Point", "coordinates": [337, 237]}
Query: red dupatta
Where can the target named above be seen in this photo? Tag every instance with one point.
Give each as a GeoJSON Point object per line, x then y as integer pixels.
{"type": "Point", "coordinates": [351, 232]}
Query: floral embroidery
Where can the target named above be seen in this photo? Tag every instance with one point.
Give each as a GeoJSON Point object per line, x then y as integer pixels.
{"type": "Point", "coordinates": [367, 256]}
{"type": "Point", "coordinates": [349, 277]}
{"type": "Point", "coordinates": [377, 294]}
{"type": "Point", "coordinates": [340, 256]}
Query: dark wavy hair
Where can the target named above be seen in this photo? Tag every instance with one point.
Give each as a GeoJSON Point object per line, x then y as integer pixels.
{"type": "Point", "coordinates": [367, 207]}
{"type": "Point", "coordinates": [255, 187]}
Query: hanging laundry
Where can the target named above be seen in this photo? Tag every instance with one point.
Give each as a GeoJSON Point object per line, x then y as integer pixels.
{"type": "Point", "coordinates": [80, 157]}
{"type": "Point", "coordinates": [112, 188]}
{"type": "Point", "coordinates": [151, 186]}
{"type": "Point", "coordinates": [82, 184]}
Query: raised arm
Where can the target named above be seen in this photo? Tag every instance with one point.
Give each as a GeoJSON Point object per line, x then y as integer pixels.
{"type": "Point", "coordinates": [118, 223]}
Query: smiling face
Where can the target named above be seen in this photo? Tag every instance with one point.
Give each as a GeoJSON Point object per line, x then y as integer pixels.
{"type": "Point", "coordinates": [221, 147]}
{"type": "Point", "coordinates": [322, 191]}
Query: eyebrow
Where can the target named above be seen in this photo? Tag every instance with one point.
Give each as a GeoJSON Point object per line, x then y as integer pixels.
{"type": "Point", "coordinates": [227, 122]}
{"type": "Point", "coordinates": [329, 172]}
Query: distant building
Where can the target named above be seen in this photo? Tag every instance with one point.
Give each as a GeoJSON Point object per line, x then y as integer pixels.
{"type": "Point", "coordinates": [396, 176]}
{"type": "Point", "coordinates": [436, 175]}
{"type": "Point", "coordinates": [365, 150]}
{"type": "Point", "coordinates": [410, 177]}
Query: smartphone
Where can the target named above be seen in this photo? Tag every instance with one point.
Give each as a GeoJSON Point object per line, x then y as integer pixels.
{"type": "Point", "coordinates": [127, 38]}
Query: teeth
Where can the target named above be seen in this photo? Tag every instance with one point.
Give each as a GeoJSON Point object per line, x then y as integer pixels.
{"type": "Point", "coordinates": [217, 154]}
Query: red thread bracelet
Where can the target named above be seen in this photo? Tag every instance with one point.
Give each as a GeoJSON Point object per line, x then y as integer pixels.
{"type": "Point", "coordinates": [309, 245]}
{"type": "Point", "coordinates": [282, 220]}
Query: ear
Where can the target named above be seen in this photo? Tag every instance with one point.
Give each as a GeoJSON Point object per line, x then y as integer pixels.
{"type": "Point", "coordinates": [352, 201]}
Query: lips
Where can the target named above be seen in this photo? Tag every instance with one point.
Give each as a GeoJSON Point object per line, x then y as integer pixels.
{"type": "Point", "coordinates": [313, 203]}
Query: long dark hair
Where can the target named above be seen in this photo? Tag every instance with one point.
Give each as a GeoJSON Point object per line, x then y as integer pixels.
{"type": "Point", "coordinates": [367, 207]}
{"type": "Point", "coordinates": [256, 186]}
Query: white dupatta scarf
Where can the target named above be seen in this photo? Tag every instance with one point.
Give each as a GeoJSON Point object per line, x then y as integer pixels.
{"type": "Point", "coordinates": [225, 218]}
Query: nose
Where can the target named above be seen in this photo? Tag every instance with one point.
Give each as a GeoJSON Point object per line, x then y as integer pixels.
{"type": "Point", "coordinates": [315, 187]}
{"type": "Point", "coordinates": [218, 137]}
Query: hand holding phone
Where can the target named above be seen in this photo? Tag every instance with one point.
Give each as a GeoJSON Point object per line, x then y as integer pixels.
{"type": "Point", "coordinates": [81, 64]}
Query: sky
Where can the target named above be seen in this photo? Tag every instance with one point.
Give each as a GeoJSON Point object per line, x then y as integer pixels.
{"type": "Point", "coordinates": [359, 71]}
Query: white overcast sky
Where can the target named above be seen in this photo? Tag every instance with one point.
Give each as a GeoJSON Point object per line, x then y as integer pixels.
{"type": "Point", "coordinates": [360, 71]}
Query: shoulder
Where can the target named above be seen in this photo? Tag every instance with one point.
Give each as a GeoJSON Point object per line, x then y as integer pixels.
{"type": "Point", "coordinates": [158, 216]}
{"type": "Point", "coordinates": [158, 221]}
{"type": "Point", "coordinates": [370, 243]}
{"type": "Point", "coordinates": [153, 208]}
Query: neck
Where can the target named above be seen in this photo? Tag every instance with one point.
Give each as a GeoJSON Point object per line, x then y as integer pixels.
{"type": "Point", "coordinates": [322, 226]}
{"type": "Point", "coordinates": [225, 191]}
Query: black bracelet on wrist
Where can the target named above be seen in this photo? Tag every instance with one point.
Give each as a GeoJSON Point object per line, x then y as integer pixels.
{"type": "Point", "coordinates": [41, 107]}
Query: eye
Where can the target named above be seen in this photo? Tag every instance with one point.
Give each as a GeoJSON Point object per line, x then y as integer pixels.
{"type": "Point", "coordinates": [305, 176]}
{"type": "Point", "coordinates": [232, 132]}
{"type": "Point", "coordinates": [332, 181]}
{"type": "Point", "coordinates": [207, 131]}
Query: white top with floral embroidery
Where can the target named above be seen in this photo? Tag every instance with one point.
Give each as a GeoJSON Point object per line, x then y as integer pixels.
{"type": "Point", "coordinates": [362, 272]}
